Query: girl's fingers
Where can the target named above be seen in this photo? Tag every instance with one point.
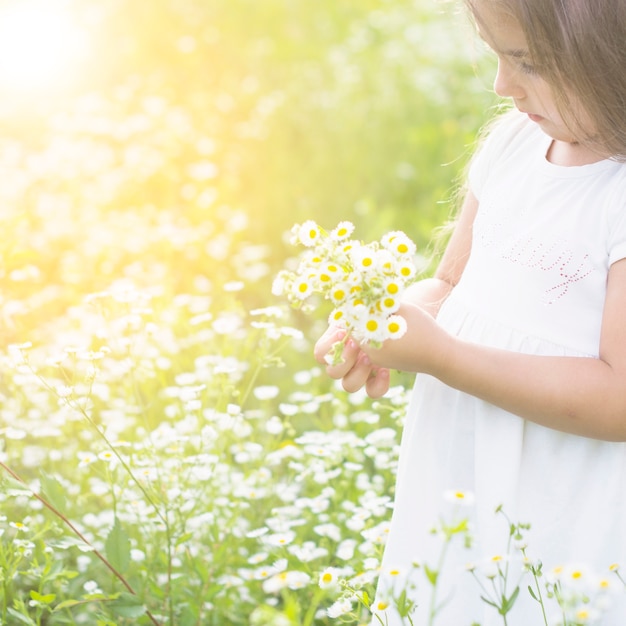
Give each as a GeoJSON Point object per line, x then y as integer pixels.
{"type": "Point", "coordinates": [355, 368]}
{"type": "Point", "coordinates": [377, 385]}
{"type": "Point", "coordinates": [358, 375]}
{"type": "Point", "coordinates": [351, 355]}
{"type": "Point", "coordinates": [325, 343]}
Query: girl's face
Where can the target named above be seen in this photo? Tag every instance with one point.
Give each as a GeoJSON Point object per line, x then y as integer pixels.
{"type": "Point", "coordinates": [516, 77]}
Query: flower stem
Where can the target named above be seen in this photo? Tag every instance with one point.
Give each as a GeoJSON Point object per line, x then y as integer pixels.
{"type": "Point", "coordinates": [77, 532]}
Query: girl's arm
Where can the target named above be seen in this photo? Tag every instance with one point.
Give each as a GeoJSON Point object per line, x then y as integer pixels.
{"type": "Point", "coordinates": [429, 294]}
{"type": "Point", "coordinates": [579, 395]}
{"type": "Point", "coordinates": [584, 396]}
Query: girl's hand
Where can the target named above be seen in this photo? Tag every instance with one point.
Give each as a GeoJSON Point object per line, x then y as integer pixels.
{"type": "Point", "coordinates": [356, 370]}
{"type": "Point", "coordinates": [423, 348]}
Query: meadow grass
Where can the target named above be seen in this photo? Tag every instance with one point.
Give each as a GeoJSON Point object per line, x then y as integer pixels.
{"type": "Point", "coordinates": [171, 453]}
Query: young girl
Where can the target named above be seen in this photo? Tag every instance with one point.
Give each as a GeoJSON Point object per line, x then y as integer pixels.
{"type": "Point", "coordinates": [519, 340]}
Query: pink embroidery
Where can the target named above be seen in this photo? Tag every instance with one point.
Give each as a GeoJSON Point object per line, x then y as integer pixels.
{"type": "Point", "coordinates": [555, 256]}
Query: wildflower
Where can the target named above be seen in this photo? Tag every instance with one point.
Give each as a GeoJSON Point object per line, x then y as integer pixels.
{"type": "Point", "coordinates": [288, 579]}
{"type": "Point", "coordinates": [302, 288]}
{"type": "Point", "coordinates": [266, 392]}
{"type": "Point", "coordinates": [264, 572]}
{"type": "Point", "coordinates": [363, 258]}
{"type": "Point", "coordinates": [345, 550]}
{"type": "Point", "coordinates": [329, 578]}
{"type": "Point", "coordinates": [329, 273]}
{"type": "Point", "coordinates": [398, 243]}
{"type": "Point", "coordinates": [373, 328]}
{"type": "Point", "coordinates": [19, 526]}
{"type": "Point", "coordinates": [309, 233]}
{"type": "Point", "coordinates": [342, 231]}
{"type": "Point", "coordinates": [332, 531]}
{"type": "Point", "coordinates": [395, 327]}
{"type": "Point", "coordinates": [308, 551]}
{"type": "Point", "coordinates": [107, 455]}
{"type": "Point", "coordinates": [257, 558]}
{"type": "Point", "coordinates": [91, 586]}
{"type": "Point", "coordinates": [339, 608]}
{"type": "Point", "coordinates": [280, 539]}
{"type": "Point", "coordinates": [491, 566]}
{"type": "Point", "coordinates": [339, 293]}
{"type": "Point", "coordinates": [465, 498]}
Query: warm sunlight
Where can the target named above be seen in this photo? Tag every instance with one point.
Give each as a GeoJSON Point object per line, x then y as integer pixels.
{"type": "Point", "coordinates": [40, 43]}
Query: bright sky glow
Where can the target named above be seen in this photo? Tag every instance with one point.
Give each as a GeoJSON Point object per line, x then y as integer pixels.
{"type": "Point", "coordinates": [40, 43]}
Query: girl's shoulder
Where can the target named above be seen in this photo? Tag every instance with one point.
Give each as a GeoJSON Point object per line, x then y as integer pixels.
{"type": "Point", "coordinates": [509, 132]}
{"type": "Point", "coordinates": [510, 136]}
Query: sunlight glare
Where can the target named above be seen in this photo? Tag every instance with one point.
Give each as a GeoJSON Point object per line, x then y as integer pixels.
{"type": "Point", "coordinates": [40, 44]}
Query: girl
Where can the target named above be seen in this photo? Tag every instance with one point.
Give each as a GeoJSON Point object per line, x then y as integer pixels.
{"type": "Point", "coordinates": [519, 340]}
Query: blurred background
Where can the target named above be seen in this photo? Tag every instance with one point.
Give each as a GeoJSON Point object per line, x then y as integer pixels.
{"type": "Point", "coordinates": [173, 142]}
{"type": "Point", "coordinates": [153, 156]}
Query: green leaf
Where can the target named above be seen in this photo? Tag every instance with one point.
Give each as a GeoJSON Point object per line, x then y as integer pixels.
{"type": "Point", "coordinates": [490, 602]}
{"type": "Point", "coordinates": [66, 604]}
{"type": "Point", "coordinates": [507, 605]}
{"type": "Point", "coordinates": [52, 490]}
{"type": "Point", "coordinates": [184, 538]}
{"type": "Point", "coordinates": [431, 574]}
{"type": "Point", "coordinates": [44, 599]}
{"type": "Point", "coordinates": [117, 547]}
{"type": "Point", "coordinates": [14, 487]}
{"type": "Point", "coordinates": [128, 605]}
{"type": "Point", "coordinates": [21, 618]}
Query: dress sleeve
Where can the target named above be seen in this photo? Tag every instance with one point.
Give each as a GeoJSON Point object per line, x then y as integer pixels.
{"type": "Point", "coordinates": [500, 132]}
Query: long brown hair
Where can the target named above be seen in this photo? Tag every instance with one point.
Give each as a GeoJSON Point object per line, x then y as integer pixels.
{"type": "Point", "coordinates": [579, 48]}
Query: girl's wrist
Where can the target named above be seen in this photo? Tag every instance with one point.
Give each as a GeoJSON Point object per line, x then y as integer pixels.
{"type": "Point", "coordinates": [443, 354]}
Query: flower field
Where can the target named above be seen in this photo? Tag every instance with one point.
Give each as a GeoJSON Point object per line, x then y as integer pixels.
{"type": "Point", "coordinates": [170, 451]}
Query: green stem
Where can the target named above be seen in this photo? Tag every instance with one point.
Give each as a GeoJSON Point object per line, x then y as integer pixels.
{"type": "Point", "coordinates": [310, 614]}
{"type": "Point", "coordinates": [77, 532]}
{"type": "Point", "coordinates": [432, 611]}
{"type": "Point", "coordinates": [81, 410]}
{"type": "Point", "coordinates": [257, 371]}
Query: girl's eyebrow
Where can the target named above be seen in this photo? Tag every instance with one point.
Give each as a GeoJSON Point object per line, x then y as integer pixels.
{"type": "Point", "coordinates": [519, 53]}
{"type": "Point", "coordinates": [516, 53]}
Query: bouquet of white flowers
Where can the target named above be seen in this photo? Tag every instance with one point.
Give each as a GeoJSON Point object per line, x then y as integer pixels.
{"type": "Point", "coordinates": [364, 282]}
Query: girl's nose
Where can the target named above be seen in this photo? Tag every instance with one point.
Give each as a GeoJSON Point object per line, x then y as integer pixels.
{"type": "Point", "coordinates": [507, 83]}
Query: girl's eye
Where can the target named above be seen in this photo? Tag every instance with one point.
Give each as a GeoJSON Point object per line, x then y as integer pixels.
{"type": "Point", "coordinates": [527, 68]}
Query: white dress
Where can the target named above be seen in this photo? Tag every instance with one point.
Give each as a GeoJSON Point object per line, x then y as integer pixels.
{"type": "Point", "coordinates": [543, 241]}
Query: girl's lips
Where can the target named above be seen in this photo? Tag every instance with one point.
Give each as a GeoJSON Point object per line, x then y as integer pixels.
{"type": "Point", "coordinates": [534, 118]}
